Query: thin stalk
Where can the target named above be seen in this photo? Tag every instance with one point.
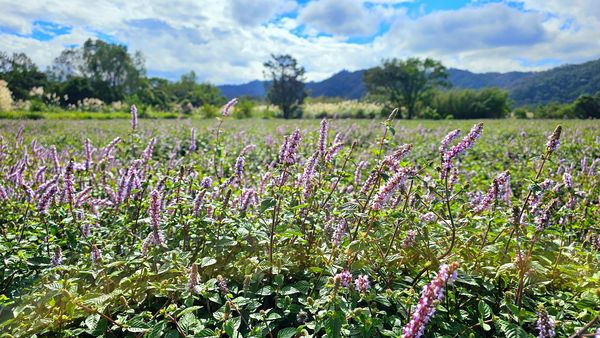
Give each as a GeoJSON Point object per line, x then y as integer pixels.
{"type": "Point", "coordinates": [452, 225]}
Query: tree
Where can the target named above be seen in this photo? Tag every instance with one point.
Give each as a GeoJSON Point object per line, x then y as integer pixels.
{"type": "Point", "coordinates": [406, 82]}
{"type": "Point", "coordinates": [198, 94]}
{"type": "Point", "coordinates": [287, 84]}
{"type": "Point", "coordinates": [587, 106]}
{"type": "Point", "coordinates": [471, 104]}
{"type": "Point", "coordinates": [21, 74]}
{"type": "Point", "coordinates": [113, 72]}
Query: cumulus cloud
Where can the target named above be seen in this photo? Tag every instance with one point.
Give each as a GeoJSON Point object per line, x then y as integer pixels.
{"type": "Point", "coordinates": [249, 13]}
{"type": "Point", "coordinates": [494, 25]}
{"type": "Point", "coordinates": [227, 41]}
{"type": "Point", "coordinates": [346, 18]}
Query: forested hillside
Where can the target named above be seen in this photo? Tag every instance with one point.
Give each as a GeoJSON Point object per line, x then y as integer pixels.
{"type": "Point", "coordinates": [561, 84]}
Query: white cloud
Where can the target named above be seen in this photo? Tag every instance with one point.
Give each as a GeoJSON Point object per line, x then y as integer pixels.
{"type": "Point", "coordinates": [227, 41]}
{"type": "Point", "coordinates": [255, 12]}
{"type": "Point", "coordinates": [493, 25]}
{"type": "Point", "coordinates": [346, 18]}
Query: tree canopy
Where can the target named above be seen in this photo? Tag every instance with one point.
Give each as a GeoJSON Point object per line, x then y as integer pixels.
{"type": "Point", "coordinates": [406, 82]}
{"type": "Point", "coordinates": [471, 104]}
{"type": "Point", "coordinates": [287, 84]}
{"type": "Point", "coordinates": [108, 68]}
{"type": "Point", "coordinates": [21, 74]}
{"type": "Point", "coordinates": [104, 71]}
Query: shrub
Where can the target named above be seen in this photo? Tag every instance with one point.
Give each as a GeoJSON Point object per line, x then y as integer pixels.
{"type": "Point", "coordinates": [5, 97]}
{"type": "Point", "coordinates": [209, 111]}
{"type": "Point", "coordinates": [244, 108]}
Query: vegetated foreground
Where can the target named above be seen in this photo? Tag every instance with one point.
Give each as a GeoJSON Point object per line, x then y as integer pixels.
{"type": "Point", "coordinates": [256, 228]}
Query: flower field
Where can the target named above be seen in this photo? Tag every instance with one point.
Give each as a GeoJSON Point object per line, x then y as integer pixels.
{"type": "Point", "coordinates": [252, 228]}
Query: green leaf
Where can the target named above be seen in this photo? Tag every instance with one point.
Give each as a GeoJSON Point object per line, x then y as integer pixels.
{"type": "Point", "coordinates": [333, 324]}
{"type": "Point", "coordinates": [157, 330]}
{"type": "Point", "coordinates": [189, 309]}
{"type": "Point", "coordinates": [302, 286]}
{"type": "Point", "coordinates": [137, 324]}
{"type": "Point", "coordinates": [207, 333]}
{"type": "Point", "coordinates": [208, 261]}
{"type": "Point", "coordinates": [512, 330]}
{"type": "Point", "coordinates": [265, 291]}
{"type": "Point", "coordinates": [232, 326]}
{"type": "Point", "coordinates": [485, 310]}
{"type": "Point", "coordinates": [172, 334]}
{"type": "Point", "coordinates": [485, 326]}
{"type": "Point", "coordinates": [187, 321]}
{"type": "Point", "coordinates": [267, 203]}
{"type": "Point", "coordinates": [278, 280]}
{"type": "Point", "coordinates": [100, 328]}
{"type": "Point", "coordinates": [289, 290]}
{"type": "Point", "coordinates": [92, 321]}
{"type": "Point", "coordinates": [288, 332]}
{"type": "Point", "coordinates": [381, 299]}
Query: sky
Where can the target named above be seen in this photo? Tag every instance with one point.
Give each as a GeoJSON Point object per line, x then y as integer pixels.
{"type": "Point", "coordinates": [227, 41]}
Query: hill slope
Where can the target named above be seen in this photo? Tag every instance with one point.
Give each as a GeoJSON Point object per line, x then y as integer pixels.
{"type": "Point", "coordinates": [561, 84]}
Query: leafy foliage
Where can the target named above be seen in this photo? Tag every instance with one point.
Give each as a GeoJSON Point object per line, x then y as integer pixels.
{"type": "Point", "coordinates": [286, 86]}
{"type": "Point", "coordinates": [406, 82]}
{"type": "Point", "coordinates": [258, 251]}
{"type": "Point", "coordinates": [470, 104]}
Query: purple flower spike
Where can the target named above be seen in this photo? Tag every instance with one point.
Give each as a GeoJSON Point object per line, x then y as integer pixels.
{"type": "Point", "coordinates": [386, 190]}
{"type": "Point", "coordinates": [155, 208]}
{"type": "Point", "coordinates": [192, 140]}
{"type": "Point", "coordinates": [451, 136]}
{"type": "Point", "coordinates": [466, 143]}
{"type": "Point", "coordinates": [431, 294]}
{"type": "Point", "coordinates": [323, 137]}
{"type": "Point", "coordinates": [134, 117]}
{"type": "Point", "coordinates": [229, 107]}
{"type": "Point", "coordinates": [545, 324]}
{"type": "Point", "coordinates": [344, 277]}
{"type": "Point", "coordinates": [362, 283]}
{"type": "Point", "coordinates": [554, 140]}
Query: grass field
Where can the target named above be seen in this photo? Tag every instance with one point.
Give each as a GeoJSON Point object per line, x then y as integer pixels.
{"type": "Point", "coordinates": [253, 228]}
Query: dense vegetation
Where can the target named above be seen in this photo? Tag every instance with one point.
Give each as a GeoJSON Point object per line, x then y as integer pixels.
{"type": "Point", "coordinates": [561, 84]}
{"type": "Point", "coordinates": [98, 74]}
{"type": "Point", "coordinates": [585, 106]}
{"type": "Point", "coordinates": [287, 228]}
{"type": "Point", "coordinates": [99, 77]}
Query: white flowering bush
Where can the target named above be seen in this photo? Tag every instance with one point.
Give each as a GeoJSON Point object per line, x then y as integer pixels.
{"type": "Point", "coordinates": [6, 100]}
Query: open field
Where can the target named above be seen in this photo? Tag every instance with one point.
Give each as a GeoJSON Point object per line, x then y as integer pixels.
{"type": "Point", "coordinates": [253, 228]}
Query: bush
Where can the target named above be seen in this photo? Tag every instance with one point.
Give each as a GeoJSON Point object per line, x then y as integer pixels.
{"type": "Point", "coordinates": [431, 114]}
{"type": "Point", "coordinates": [5, 97]}
{"type": "Point", "coordinates": [471, 104]}
{"type": "Point", "coordinates": [37, 106]}
{"type": "Point", "coordinates": [244, 109]}
{"type": "Point", "coordinates": [520, 113]}
{"type": "Point", "coordinates": [209, 111]}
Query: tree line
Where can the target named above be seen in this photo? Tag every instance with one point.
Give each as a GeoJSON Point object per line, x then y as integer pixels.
{"type": "Point", "coordinates": [109, 73]}
{"type": "Point", "coordinates": [103, 71]}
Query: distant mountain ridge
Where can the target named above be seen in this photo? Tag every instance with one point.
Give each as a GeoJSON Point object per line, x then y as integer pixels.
{"type": "Point", "coordinates": [560, 84]}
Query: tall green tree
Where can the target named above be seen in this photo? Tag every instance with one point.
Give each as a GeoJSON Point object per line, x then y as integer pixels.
{"type": "Point", "coordinates": [587, 106]}
{"type": "Point", "coordinates": [187, 89]}
{"type": "Point", "coordinates": [112, 70]}
{"type": "Point", "coordinates": [287, 84]}
{"type": "Point", "coordinates": [21, 74]}
{"type": "Point", "coordinates": [406, 82]}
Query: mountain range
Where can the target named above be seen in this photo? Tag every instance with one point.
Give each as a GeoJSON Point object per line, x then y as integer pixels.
{"type": "Point", "coordinates": [561, 84]}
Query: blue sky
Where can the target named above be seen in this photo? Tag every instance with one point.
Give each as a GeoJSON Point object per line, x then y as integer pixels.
{"type": "Point", "coordinates": [227, 41]}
